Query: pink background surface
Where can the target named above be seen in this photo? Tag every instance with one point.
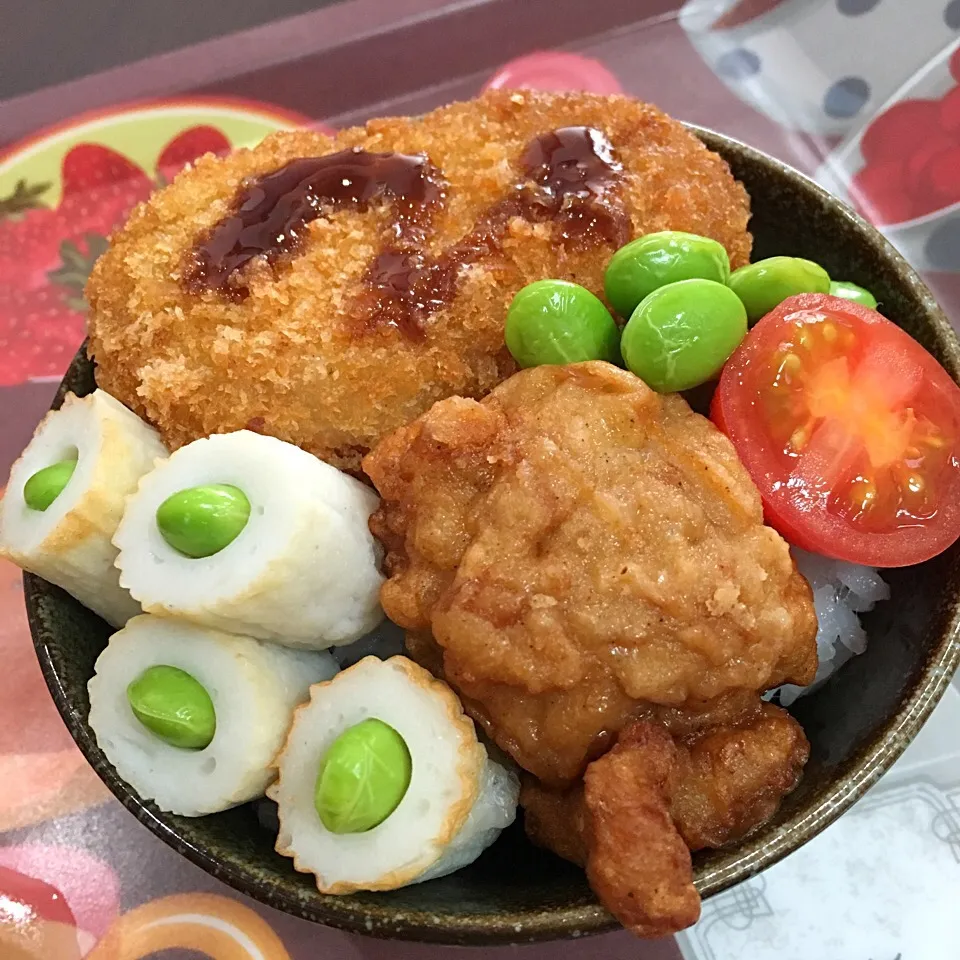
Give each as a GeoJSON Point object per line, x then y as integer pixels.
{"type": "Point", "coordinates": [342, 65]}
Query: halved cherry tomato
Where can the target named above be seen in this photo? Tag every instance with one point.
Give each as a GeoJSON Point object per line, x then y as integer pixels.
{"type": "Point", "coordinates": [850, 430]}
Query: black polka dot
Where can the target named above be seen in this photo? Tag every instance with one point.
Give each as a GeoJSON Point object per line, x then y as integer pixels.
{"type": "Point", "coordinates": [846, 98]}
{"type": "Point", "coordinates": [738, 64]}
{"type": "Point", "coordinates": [951, 14]}
{"type": "Point", "coordinates": [854, 8]}
{"type": "Point", "coordinates": [943, 246]}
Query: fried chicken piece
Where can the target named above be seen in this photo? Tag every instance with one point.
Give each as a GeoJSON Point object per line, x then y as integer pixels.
{"type": "Point", "coordinates": [637, 863]}
{"type": "Point", "coordinates": [733, 778]}
{"type": "Point", "coordinates": [617, 825]}
{"type": "Point", "coordinates": [291, 358]}
{"type": "Point", "coordinates": [583, 552]}
{"type": "Point", "coordinates": [649, 801]}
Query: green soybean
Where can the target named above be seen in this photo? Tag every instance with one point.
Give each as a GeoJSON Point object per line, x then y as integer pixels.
{"type": "Point", "coordinates": [362, 778]}
{"type": "Point", "coordinates": [174, 706]}
{"type": "Point", "coordinates": [201, 521]}
{"type": "Point", "coordinates": [854, 292]}
{"type": "Point", "coordinates": [682, 334]}
{"type": "Point", "coordinates": [764, 285]}
{"type": "Point", "coordinates": [557, 322]}
{"type": "Point", "coordinates": [655, 260]}
{"type": "Point", "coordinates": [47, 484]}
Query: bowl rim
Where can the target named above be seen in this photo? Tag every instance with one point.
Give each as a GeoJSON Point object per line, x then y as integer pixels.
{"type": "Point", "coordinates": [758, 852]}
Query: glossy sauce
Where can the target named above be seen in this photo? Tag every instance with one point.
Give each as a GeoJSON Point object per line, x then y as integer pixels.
{"type": "Point", "coordinates": [567, 176]}
{"type": "Point", "coordinates": [273, 211]}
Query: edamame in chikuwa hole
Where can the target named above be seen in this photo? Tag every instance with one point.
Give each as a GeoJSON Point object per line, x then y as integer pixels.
{"type": "Point", "coordinates": [174, 706]}
{"type": "Point", "coordinates": [681, 334]}
{"type": "Point", "coordinates": [67, 493]}
{"type": "Point", "coordinates": [557, 322]}
{"type": "Point", "coordinates": [382, 781]}
{"type": "Point", "coordinates": [655, 260]}
{"type": "Point", "coordinates": [47, 484]}
{"type": "Point", "coordinates": [362, 778]}
{"type": "Point", "coordinates": [201, 521]}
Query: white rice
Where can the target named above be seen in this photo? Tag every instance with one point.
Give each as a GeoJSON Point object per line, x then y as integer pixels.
{"type": "Point", "coordinates": [841, 591]}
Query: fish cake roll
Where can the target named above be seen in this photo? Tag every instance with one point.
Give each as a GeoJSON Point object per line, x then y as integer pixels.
{"type": "Point", "coordinates": [251, 535]}
{"type": "Point", "coordinates": [66, 496]}
{"type": "Point", "coordinates": [192, 718]}
{"type": "Point", "coordinates": [383, 783]}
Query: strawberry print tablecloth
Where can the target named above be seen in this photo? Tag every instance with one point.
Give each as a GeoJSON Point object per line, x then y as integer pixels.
{"type": "Point", "coordinates": [863, 95]}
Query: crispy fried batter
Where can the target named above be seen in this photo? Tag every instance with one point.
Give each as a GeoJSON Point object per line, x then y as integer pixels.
{"type": "Point", "coordinates": [585, 551]}
{"type": "Point", "coordinates": [287, 360]}
{"type": "Point", "coordinates": [649, 801]}
{"type": "Point", "coordinates": [733, 778]}
{"type": "Point", "coordinates": [617, 824]}
{"type": "Point", "coordinates": [637, 863]}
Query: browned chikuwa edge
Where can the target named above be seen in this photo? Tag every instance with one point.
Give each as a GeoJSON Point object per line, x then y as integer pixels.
{"type": "Point", "coordinates": [567, 177]}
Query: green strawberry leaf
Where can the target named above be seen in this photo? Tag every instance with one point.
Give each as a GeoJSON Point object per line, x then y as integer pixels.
{"type": "Point", "coordinates": [25, 196]}
{"type": "Point", "coordinates": [79, 304]}
{"type": "Point", "coordinates": [75, 266]}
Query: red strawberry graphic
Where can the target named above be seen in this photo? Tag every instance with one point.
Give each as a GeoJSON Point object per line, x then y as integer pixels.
{"type": "Point", "coordinates": [90, 166]}
{"type": "Point", "coordinates": [39, 334]}
{"type": "Point", "coordinates": [46, 254]}
{"type": "Point", "coordinates": [188, 146]}
{"type": "Point", "coordinates": [30, 245]}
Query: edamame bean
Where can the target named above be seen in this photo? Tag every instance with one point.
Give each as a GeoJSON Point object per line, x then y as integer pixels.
{"type": "Point", "coordinates": [174, 706]}
{"type": "Point", "coordinates": [767, 283]}
{"type": "Point", "coordinates": [644, 264]}
{"type": "Point", "coordinates": [201, 521]}
{"type": "Point", "coordinates": [557, 322]}
{"type": "Point", "coordinates": [363, 777]}
{"type": "Point", "coordinates": [683, 333]}
{"type": "Point", "coordinates": [851, 291]}
{"type": "Point", "coordinates": [47, 484]}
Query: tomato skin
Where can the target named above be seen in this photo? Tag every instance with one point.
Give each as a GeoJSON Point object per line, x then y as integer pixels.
{"type": "Point", "coordinates": [737, 412]}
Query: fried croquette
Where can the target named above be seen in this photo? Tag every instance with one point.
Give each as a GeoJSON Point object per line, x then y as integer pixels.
{"type": "Point", "coordinates": [583, 551]}
{"type": "Point", "coordinates": [650, 800]}
{"type": "Point", "coordinates": [283, 342]}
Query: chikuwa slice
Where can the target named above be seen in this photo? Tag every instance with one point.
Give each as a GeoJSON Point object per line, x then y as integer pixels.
{"type": "Point", "coordinates": [248, 534]}
{"type": "Point", "coordinates": [192, 718]}
{"type": "Point", "coordinates": [66, 496]}
{"type": "Point", "coordinates": [383, 783]}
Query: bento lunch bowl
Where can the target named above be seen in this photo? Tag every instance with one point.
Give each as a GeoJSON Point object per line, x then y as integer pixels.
{"type": "Point", "coordinates": [858, 723]}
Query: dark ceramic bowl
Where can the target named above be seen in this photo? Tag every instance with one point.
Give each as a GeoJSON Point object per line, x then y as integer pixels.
{"type": "Point", "coordinates": [858, 723]}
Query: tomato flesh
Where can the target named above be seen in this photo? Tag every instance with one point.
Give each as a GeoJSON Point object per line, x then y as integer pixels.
{"type": "Point", "coordinates": [850, 430]}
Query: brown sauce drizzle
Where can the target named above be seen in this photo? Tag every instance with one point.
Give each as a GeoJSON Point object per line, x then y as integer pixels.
{"type": "Point", "coordinates": [273, 211]}
{"type": "Point", "coordinates": [567, 178]}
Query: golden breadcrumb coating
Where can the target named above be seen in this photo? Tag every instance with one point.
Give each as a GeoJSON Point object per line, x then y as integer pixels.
{"type": "Point", "coordinates": [288, 360]}
{"type": "Point", "coordinates": [585, 551]}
